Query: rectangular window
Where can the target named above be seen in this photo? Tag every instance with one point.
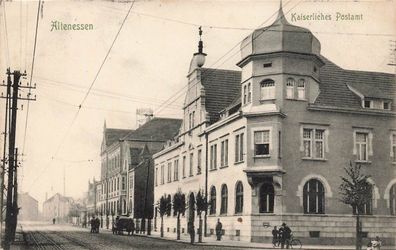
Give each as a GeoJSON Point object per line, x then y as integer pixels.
{"type": "Point", "coordinates": [162, 174]}
{"type": "Point", "coordinates": [213, 156]}
{"type": "Point", "coordinates": [199, 161]}
{"type": "Point", "coordinates": [393, 147]}
{"type": "Point", "coordinates": [176, 170]}
{"type": "Point", "coordinates": [267, 90]}
{"type": "Point", "coordinates": [387, 105]}
{"type": "Point", "coordinates": [224, 153]}
{"type": "Point", "coordinates": [362, 146]}
{"type": "Point", "coordinates": [184, 167]}
{"type": "Point", "coordinates": [191, 164]}
{"type": "Point", "coordinates": [261, 143]}
{"type": "Point", "coordinates": [367, 104]}
{"type": "Point", "coordinates": [169, 171]}
{"type": "Point", "coordinates": [267, 65]}
{"type": "Point", "coordinates": [314, 143]}
{"type": "Point", "coordinates": [239, 148]}
{"type": "Point", "coordinates": [244, 94]}
{"type": "Point", "coordinates": [123, 184]}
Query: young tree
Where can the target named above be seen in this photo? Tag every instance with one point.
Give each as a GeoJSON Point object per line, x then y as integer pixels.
{"type": "Point", "coordinates": [356, 191]}
{"type": "Point", "coordinates": [163, 209]}
{"type": "Point", "coordinates": [179, 207]}
{"type": "Point", "coordinates": [202, 205]}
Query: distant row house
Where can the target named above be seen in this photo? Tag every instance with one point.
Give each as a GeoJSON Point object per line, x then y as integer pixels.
{"type": "Point", "coordinates": [269, 143]}
{"type": "Point", "coordinates": [126, 183]}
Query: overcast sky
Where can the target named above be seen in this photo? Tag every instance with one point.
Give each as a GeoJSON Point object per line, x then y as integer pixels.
{"type": "Point", "coordinates": [147, 65]}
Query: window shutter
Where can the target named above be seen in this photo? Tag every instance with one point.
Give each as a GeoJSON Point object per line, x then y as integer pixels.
{"type": "Point", "coordinates": [354, 143]}
{"type": "Point", "coordinates": [301, 140]}
{"type": "Point", "coordinates": [370, 143]}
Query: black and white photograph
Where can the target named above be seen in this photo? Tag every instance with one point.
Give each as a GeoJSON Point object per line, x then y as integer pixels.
{"type": "Point", "coordinates": [198, 124]}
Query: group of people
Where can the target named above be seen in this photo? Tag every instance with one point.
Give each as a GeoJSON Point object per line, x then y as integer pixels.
{"type": "Point", "coordinates": [191, 230]}
{"type": "Point", "coordinates": [281, 236]}
{"type": "Point", "coordinates": [95, 224]}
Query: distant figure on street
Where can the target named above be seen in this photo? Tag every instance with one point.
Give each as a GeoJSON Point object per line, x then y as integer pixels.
{"type": "Point", "coordinates": [92, 224]}
{"type": "Point", "coordinates": [219, 229]}
{"type": "Point", "coordinates": [97, 224]}
{"type": "Point", "coordinates": [275, 239]}
{"type": "Point", "coordinates": [53, 221]}
{"type": "Point", "coordinates": [131, 227]}
{"type": "Point", "coordinates": [191, 231]}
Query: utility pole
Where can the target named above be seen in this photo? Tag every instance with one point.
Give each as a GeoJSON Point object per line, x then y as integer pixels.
{"type": "Point", "coordinates": [12, 208]}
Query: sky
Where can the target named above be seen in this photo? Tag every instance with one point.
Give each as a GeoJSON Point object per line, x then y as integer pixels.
{"type": "Point", "coordinates": [146, 67]}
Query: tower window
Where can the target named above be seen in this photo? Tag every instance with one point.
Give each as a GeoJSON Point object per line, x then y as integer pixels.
{"type": "Point", "coordinates": [249, 93]}
{"type": "Point", "coordinates": [290, 88]}
{"type": "Point", "coordinates": [267, 89]}
{"type": "Point", "coordinates": [244, 94]}
{"type": "Point", "coordinates": [301, 89]}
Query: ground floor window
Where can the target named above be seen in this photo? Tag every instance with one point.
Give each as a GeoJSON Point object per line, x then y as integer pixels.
{"type": "Point", "coordinates": [392, 200]}
{"type": "Point", "coordinates": [267, 195]}
{"type": "Point", "coordinates": [224, 199]}
{"type": "Point", "coordinates": [314, 197]}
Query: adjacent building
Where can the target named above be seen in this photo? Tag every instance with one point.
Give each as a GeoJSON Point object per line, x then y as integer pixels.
{"type": "Point", "coordinates": [269, 143]}
{"type": "Point", "coordinates": [57, 207]}
{"type": "Point", "coordinates": [28, 207]}
{"type": "Point", "coordinates": [127, 168]}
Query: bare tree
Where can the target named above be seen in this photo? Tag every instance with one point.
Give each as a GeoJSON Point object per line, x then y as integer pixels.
{"type": "Point", "coordinates": [356, 191]}
{"type": "Point", "coordinates": [179, 208]}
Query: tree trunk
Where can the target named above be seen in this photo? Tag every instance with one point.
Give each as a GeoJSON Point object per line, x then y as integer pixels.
{"type": "Point", "coordinates": [178, 226]}
{"type": "Point", "coordinates": [200, 229]}
{"type": "Point", "coordinates": [358, 247]}
{"type": "Point", "coordinates": [162, 226]}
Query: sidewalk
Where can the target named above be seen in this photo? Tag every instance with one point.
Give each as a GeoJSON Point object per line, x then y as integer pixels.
{"type": "Point", "coordinates": [211, 241]}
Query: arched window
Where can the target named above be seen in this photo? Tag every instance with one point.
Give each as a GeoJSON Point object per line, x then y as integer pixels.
{"type": "Point", "coordinates": [301, 89]}
{"type": "Point", "coordinates": [212, 200]}
{"type": "Point", "coordinates": [290, 88]}
{"type": "Point", "coordinates": [224, 199]}
{"type": "Point", "coordinates": [267, 194]}
{"type": "Point", "coordinates": [392, 199]}
{"type": "Point", "coordinates": [267, 89]}
{"type": "Point", "coordinates": [314, 197]}
{"type": "Point", "coordinates": [239, 197]}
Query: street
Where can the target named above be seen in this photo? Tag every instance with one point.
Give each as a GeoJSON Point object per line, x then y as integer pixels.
{"type": "Point", "coordinates": [48, 236]}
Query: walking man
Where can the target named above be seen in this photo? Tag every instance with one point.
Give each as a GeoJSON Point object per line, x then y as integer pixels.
{"type": "Point", "coordinates": [219, 229]}
{"type": "Point", "coordinates": [275, 240]}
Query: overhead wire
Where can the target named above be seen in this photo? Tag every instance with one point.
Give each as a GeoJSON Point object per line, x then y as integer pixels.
{"type": "Point", "coordinates": [88, 92]}
{"type": "Point", "coordinates": [8, 62]}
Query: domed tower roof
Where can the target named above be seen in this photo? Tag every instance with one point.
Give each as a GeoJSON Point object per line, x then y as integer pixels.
{"type": "Point", "coordinates": [280, 36]}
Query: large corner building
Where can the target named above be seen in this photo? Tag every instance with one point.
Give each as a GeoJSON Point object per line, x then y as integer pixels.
{"type": "Point", "coordinates": [269, 143]}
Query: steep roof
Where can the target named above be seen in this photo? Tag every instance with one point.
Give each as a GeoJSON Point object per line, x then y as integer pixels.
{"type": "Point", "coordinates": [157, 129]}
{"type": "Point", "coordinates": [334, 81]}
{"type": "Point", "coordinates": [221, 88]}
{"type": "Point", "coordinates": [114, 134]}
{"type": "Point", "coordinates": [61, 198]}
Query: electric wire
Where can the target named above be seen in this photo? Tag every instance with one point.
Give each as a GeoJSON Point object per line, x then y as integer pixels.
{"type": "Point", "coordinates": [87, 93]}
{"type": "Point", "coordinates": [8, 62]}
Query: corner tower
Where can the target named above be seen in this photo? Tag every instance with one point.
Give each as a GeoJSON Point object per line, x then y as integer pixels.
{"type": "Point", "coordinates": [279, 62]}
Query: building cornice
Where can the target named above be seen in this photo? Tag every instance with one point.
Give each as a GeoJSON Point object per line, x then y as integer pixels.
{"type": "Point", "coordinates": [264, 113]}
{"type": "Point", "coordinates": [166, 150]}
{"type": "Point", "coordinates": [313, 107]}
{"type": "Point", "coordinates": [221, 123]}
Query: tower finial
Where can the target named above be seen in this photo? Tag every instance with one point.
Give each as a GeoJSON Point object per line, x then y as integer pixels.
{"type": "Point", "coordinates": [281, 16]}
{"type": "Point", "coordinates": [200, 43]}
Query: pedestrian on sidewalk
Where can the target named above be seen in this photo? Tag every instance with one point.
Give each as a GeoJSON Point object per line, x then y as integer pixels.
{"type": "Point", "coordinates": [191, 231]}
{"type": "Point", "coordinates": [285, 235]}
{"type": "Point", "coordinates": [92, 224]}
{"type": "Point", "coordinates": [219, 229]}
{"type": "Point", "coordinates": [97, 224]}
{"type": "Point", "coordinates": [275, 239]}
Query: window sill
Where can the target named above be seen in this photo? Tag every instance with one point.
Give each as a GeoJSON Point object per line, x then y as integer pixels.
{"type": "Point", "coordinates": [269, 99]}
{"type": "Point", "coordinates": [393, 163]}
{"type": "Point", "coordinates": [296, 99]}
{"type": "Point", "coordinates": [225, 166]}
{"type": "Point", "coordinates": [238, 162]}
{"type": "Point", "coordinates": [213, 169]}
{"type": "Point", "coordinates": [313, 159]}
{"type": "Point", "coordinates": [362, 162]}
{"type": "Point", "coordinates": [261, 156]}
{"type": "Point", "coordinates": [316, 214]}
{"type": "Point", "coordinates": [199, 173]}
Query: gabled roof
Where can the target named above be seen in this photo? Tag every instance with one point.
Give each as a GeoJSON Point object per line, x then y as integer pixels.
{"type": "Point", "coordinates": [61, 198]}
{"type": "Point", "coordinates": [157, 129]}
{"type": "Point", "coordinates": [114, 134]}
{"type": "Point", "coordinates": [221, 88]}
{"type": "Point", "coordinates": [334, 81]}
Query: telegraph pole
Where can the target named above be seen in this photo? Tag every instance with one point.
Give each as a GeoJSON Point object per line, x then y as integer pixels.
{"type": "Point", "coordinates": [12, 192]}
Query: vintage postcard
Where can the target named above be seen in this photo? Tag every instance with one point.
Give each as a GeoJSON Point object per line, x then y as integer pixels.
{"type": "Point", "coordinates": [198, 124]}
